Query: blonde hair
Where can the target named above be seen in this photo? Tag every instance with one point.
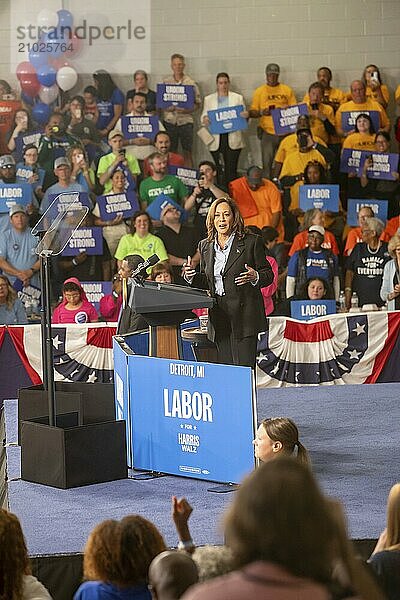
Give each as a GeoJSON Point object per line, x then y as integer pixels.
{"type": "Point", "coordinates": [392, 245]}
{"type": "Point", "coordinates": [11, 293]}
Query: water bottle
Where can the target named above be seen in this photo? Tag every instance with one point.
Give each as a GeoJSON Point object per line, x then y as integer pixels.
{"type": "Point", "coordinates": [342, 302]}
{"type": "Point", "coordinates": [354, 300]}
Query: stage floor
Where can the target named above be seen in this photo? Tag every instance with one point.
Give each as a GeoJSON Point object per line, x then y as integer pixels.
{"type": "Point", "coordinates": [352, 433]}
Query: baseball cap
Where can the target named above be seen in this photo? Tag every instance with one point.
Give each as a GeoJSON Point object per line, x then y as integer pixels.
{"type": "Point", "coordinates": [318, 229]}
{"type": "Point", "coordinates": [7, 161]}
{"type": "Point", "coordinates": [272, 68]}
{"type": "Point", "coordinates": [114, 132]}
{"type": "Point", "coordinates": [61, 161]}
{"type": "Point", "coordinates": [17, 208]}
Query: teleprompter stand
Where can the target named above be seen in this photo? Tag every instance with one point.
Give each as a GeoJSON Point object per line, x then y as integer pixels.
{"type": "Point", "coordinates": [69, 443]}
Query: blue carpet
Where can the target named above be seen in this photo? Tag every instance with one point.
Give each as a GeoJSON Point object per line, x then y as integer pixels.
{"type": "Point", "coordinates": [352, 433]}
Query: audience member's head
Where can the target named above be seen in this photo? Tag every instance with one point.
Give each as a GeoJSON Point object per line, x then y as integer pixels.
{"type": "Point", "coordinates": [212, 561]}
{"type": "Point", "coordinates": [171, 573]}
{"type": "Point", "coordinates": [120, 552]}
{"type": "Point", "coordinates": [279, 515]}
{"type": "Point", "coordinates": [162, 272]}
{"type": "Point", "coordinates": [313, 216]}
{"type": "Point", "coordinates": [141, 223]}
{"type": "Point", "coordinates": [14, 561]}
{"type": "Point", "coordinates": [314, 173]}
{"type": "Point", "coordinates": [279, 436]}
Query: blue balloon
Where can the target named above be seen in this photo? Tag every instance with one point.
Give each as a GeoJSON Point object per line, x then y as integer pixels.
{"type": "Point", "coordinates": [41, 113]}
{"type": "Point", "coordinates": [46, 75]}
{"type": "Point", "coordinates": [37, 59]}
{"type": "Point", "coordinates": [27, 99]}
{"type": "Point", "coordinates": [65, 19]}
{"type": "Point", "coordinates": [55, 43]}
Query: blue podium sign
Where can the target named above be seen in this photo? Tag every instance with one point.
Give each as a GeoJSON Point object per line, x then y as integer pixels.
{"type": "Point", "coordinates": [285, 119]}
{"type": "Point", "coordinates": [304, 310]}
{"type": "Point", "coordinates": [227, 119]}
{"type": "Point", "coordinates": [324, 197]}
{"type": "Point", "coordinates": [183, 422]}
{"type": "Point", "coordinates": [380, 208]}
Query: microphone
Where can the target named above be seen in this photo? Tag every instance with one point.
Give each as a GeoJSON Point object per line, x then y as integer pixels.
{"type": "Point", "coordinates": [149, 262]}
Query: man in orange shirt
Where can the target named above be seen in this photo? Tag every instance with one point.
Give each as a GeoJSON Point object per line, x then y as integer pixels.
{"type": "Point", "coordinates": [259, 200]}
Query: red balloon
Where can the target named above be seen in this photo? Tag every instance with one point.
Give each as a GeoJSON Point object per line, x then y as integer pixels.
{"type": "Point", "coordinates": [74, 46]}
{"type": "Point", "coordinates": [30, 85]}
{"type": "Point", "coordinates": [25, 68]}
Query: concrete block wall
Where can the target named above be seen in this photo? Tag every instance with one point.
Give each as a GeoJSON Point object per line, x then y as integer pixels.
{"type": "Point", "coordinates": [242, 36]}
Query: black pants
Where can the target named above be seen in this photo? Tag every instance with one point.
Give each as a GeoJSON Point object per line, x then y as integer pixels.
{"type": "Point", "coordinates": [228, 172]}
{"type": "Point", "coordinates": [232, 350]}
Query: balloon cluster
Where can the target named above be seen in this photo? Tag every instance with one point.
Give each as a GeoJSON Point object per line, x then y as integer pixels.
{"type": "Point", "coordinates": [48, 70]}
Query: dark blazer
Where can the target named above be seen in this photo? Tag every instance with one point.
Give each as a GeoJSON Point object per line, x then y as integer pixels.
{"type": "Point", "coordinates": [245, 302]}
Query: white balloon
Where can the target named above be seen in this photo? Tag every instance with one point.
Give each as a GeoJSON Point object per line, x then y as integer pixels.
{"type": "Point", "coordinates": [48, 94]}
{"type": "Point", "coordinates": [66, 78]}
{"type": "Point", "coordinates": [47, 18]}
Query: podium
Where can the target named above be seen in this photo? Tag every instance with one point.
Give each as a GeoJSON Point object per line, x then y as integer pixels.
{"type": "Point", "coordinates": [165, 306]}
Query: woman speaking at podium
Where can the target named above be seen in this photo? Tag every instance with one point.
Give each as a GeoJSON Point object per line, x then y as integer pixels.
{"type": "Point", "coordinates": [233, 268]}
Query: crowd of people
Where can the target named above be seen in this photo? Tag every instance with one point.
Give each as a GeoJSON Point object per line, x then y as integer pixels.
{"type": "Point", "coordinates": [284, 539]}
{"type": "Point", "coordinates": [83, 148]}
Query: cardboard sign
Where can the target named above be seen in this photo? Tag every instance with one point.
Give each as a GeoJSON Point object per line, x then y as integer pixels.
{"type": "Point", "coordinates": [65, 199]}
{"type": "Point", "coordinates": [138, 127]}
{"type": "Point", "coordinates": [380, 208]}
{"type": "Point", "coordinates": [349, 119]}
{"type": "Point", "coordinates": [285, 119]}
{"type": "Point", "coordinates": [226, 120]}
{"type": "Point", "coordinates": [25, 172]}
{"type": "Point", "coordinates": [14, 193]}
{"type": "Point", "coordinates": [324, 197]}
{"type": "Point", "coordinates": [350, 160]}
{"type": "Point", "coordinates": [113, 205]}
{"type": "Point", "coordinates": [188, 176]}
{"type": "Point", "coordinates": [155, 208]}
{"type": "Point", "coordinates": [172, 94]}
{"type": "Point", "coordinates": [95, 290]}
{"type": "Point", "coordinates": [383, 165]}
{"type": "Point", "coordinates": [304, 310]}
{"type": "Point", "coordinates": [85, 239]}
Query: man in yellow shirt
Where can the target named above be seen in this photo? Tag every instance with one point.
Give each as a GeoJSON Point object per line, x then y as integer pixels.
{"type": "Point", "coordinates": [322, 117]}
{"type": "Point", "coordinates": [333, 97]}
{"type": "Point", "coordinates": [268, 96]}
{"type": "Point", "coordinates": [361, 104]}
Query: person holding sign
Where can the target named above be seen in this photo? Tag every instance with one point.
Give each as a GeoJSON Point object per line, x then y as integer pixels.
{"type": "Point", "coordinates": [363, 137]}
{"type": "Point", "coordinates": [390, 290]}
{"type": "Point", "coordinates": [233, 267]}
{"type": "Point", "coordinates": [229, 145]}
{"type": "Point", "coordinates": [28, 170]}
{"type": "Point", "coordinates": [365, 265]}
{"type": "Point", "coordinates": [386, 187]}
{"type": "Point", "coordinates": [178, 121]}
{"type": "Point", "coordinates": [138, 145]}
{"type": "Point", "coordinates": [272, 94]}
{"type": "Point", "coordinates": [279, 436]}
{"type": "Point", "coordinates": [359, 103]}
{"type": "Point", "coordinates": [117, 159]}
{"type": "Point", "coordinates": [115, 228]}
{"type": "Point", "coordinates": [315, 288]}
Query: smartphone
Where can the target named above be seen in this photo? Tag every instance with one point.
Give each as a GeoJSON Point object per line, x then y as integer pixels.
{"type": "Point", "coordinates": [303, 140]}
{"type": "Point", "coordinates": [375, 76]}
{"type": "Point", "coordinates": [314, 106]}
{"type": "Point", "coordinates": [122, 151]}
{"type": "Point", "coordinates": [79, 158]}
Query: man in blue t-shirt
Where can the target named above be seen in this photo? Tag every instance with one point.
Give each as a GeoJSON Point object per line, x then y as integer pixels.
{"type": "Point", "coordinates": [313, 261]}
